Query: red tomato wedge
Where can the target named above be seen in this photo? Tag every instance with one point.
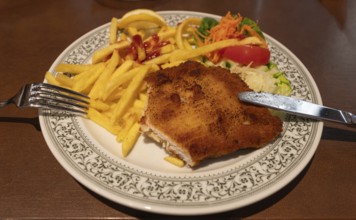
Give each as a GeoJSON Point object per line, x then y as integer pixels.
{"type": "Point", "coordinates": [247, 54]}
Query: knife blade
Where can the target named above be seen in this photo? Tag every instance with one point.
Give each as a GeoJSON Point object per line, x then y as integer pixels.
{"type": "Point", "coordinates": [298, 107]}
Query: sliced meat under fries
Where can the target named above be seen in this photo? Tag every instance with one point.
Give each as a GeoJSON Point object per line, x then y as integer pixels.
{"type": "Point", "coordinates": [194, 112]}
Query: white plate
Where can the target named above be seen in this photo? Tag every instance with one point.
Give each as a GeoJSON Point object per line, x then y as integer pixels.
{"type": "Point", "coordinates": [146, 182]}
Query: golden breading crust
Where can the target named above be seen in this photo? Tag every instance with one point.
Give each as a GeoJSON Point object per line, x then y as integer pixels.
{"type": "Point", "coordinates": [196, 109]}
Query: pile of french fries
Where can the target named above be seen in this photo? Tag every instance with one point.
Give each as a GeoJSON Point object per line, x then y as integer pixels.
{"type": "Point", "coordinates": [139, 43]}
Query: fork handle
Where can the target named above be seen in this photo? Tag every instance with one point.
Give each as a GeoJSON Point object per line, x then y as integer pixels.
{"type": "Point", "coordinates": [353, 118]}
{"type": "Point", "coordinates": [5, 102]}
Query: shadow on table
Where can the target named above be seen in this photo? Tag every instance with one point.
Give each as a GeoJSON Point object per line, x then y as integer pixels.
{"type": "Point", "coordinates": [337, 134]}
{"type": "Point", "coordinates": [329, 133]}
{"type": "Point", "coordinates": [35, 120]}
{"type": "Point", "coordinates": [237, 213]}
{"type": "Point", "coordinates": [32, 121]}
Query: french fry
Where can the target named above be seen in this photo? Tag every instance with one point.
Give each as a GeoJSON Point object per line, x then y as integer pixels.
{"type": "Point", "coordinates": [99, 105]}
{"type": "Point", "coordinates": [113, 31]}
{"type": "Point", "coordinates": [153, 68]}
{"type": "Point", "coordinates": [109, 112]}
{"type": "Point", "coordinates": [167, 49]}
{"type": "Point", "coordinates": [139, 104]}
{"type": "Point", "coordinates": [130, 93]}
{"type": "Point", "coordinates": [125, 124]}
{"type": "Point", "coordinates": [72, 68]}
{"type": "Point", "coordinates": [175, 161]}
{"type": "Point", "coordinates": [189, 54]}
{"type": "Point", "coordinates": [164, 34]}
{"type": "Point", "coordinates": [84, 81]}
{"type": "Point", "coordinates": [97, 90]}
{"type": "Point", "coordinates": [187, 45]}
{"type": "Point", "coordinates": [103, 53]}
{"type": "Point", "coordinates": [51, 79]}
{"type": "Point", "coordinates": [161, 59]}
{"type": "Point", "coordinates": [130, 139]}
{"type": "Point", "coordinates": [123, 36]}
{"type": "Point", "coordinates": [143, 97]}
{"type": "Point", "coordinates": [124, 67]}
{"type": "Point", "coordinates": [118, 81]}
{"type": "Point", "coordinates": [182, 27]}
{"type": "Point", "coordinates": [172, 64]}
{"type": "Point", "coordinates": [141, 54]}
{"type": "Point", "coordinates": [116, 95]}
{"type": "Point", "coordinates": [65, 80]}
{"type": "Point", "coordinates": [102, 120]}
{"type": "Point", "coordinates": [132, 31]}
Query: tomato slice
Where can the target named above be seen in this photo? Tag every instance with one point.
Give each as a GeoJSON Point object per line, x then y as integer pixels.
{"type": "Point", "coordinates": [247, 54]}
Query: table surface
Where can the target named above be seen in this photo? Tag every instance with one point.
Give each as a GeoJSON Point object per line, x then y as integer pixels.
{"type": "Point", "coordinates": [322, 34]}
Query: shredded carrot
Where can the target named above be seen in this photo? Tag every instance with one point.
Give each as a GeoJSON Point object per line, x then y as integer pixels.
{"type": "Point", "coordinates": [253, 33]}
{"type": "Point", "coordinates": [228, 28]}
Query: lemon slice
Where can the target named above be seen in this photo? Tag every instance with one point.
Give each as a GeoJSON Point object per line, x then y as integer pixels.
{"type": "Point", "coordinates": [143, 11]}
{"type": "Point", "coordinates": [141, 19]}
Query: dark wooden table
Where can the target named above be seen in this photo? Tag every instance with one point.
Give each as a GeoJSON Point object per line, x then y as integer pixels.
{"type": "Point", "coordinates": [322, 34]}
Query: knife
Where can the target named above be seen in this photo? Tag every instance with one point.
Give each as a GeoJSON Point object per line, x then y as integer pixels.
{"type": "Point", "coordinates": [298, 107]}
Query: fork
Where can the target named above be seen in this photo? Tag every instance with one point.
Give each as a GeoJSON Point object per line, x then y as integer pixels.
{"type": "Point", "coordinates": [47, 96]}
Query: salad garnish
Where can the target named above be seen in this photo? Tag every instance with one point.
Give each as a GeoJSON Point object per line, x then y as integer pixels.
{"type": "Point", "coordinates": [251, 62]}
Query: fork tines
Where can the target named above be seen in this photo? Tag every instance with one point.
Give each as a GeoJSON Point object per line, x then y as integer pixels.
{"type": "Point", "coordinates": [54, 97]}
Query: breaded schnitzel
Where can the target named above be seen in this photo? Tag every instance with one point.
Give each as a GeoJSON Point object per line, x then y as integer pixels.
{"type": "Point", "coordinates": [194, 112]}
